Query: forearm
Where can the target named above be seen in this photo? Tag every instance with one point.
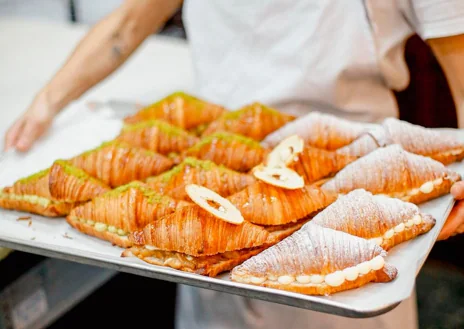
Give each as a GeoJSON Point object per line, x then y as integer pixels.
{"type": "Point", "coordinates": [450, 53]}
{"type": "Point", "coordinates": [106, 47]}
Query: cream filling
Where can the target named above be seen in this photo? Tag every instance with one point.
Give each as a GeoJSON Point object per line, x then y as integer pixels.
{"type": "Point", "coordinates": [452, 152]}
{"type": "Point", "coordinates": [102, 227]}
{"type": "Point", "coordinates": [426, 188]}
{"type": "Point", "coordinates": [416, 220]}
{"type": "Point", "coordinates": [334, 279]}
{"type": "Point", "coordinates": [34, 199]}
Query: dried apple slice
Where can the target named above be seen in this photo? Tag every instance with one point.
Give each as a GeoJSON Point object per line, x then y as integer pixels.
{"type": "Point", "coordinates": [214, 204]}
{"type": "Point", "coordinates": [280, 177]}
{"type": "Point", "coordinates": [285, 152]}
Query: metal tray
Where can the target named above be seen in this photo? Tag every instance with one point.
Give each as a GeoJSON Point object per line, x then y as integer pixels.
{"type": "Point", "coordinates": [55, 238]}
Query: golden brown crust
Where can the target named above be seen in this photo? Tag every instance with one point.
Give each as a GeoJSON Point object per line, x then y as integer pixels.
{"type": "Point", "coordinates": [232, 153]}
{"type": "Point", "coordinates": [255, 121]}
{"type": "Point", "coordinates": [180, 110]}
{"type": "Point", "coordinates": [117, 164]}
{"type": "Point", "coordinates": [114, 238]}
{"type": "Point", "coordinates": [219, 179]}
{"type": "Point", "coordinates": [75, 185]}
{"type": "Point", "coordinates": [386, 274]}
{"type": "Point", "coordinates": [314, 164]}
{"type": "Point", "coordinates": [264, 204]}
{"type": "Point", "coordinates": [55, 209]}
{"type": "Point", "coordinates": [279, 232]}
{"type": "Point", "coordinates": [438, 191]}
{"type": "Point", "coordinates": [447, 158]}
{"type": "Point", "coordinates": [193, 231]}
{"type": "Point", "coordinates": [158, 137]}
{"type": "Point", "coordinates": [205, 265]}
{"type": "Point", "coordinates": [130, 207]}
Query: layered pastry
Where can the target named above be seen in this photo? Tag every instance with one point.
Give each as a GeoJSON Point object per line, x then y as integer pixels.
{"type": "Point", "coordinates": [255, 121]}
{"type": "Point", "coordinates": [234, 151]}
{"type": "Point", "coordinates": [397, 173]}
{"type": "Point", "coordinates": [323, 131]}
{"type": "Point", "coordinates": [366, 143]}
{"type": "Point", "coordinates": [32, 194]}
{"type": "Point", "coordinates": [383, 220]}
{"type": "Point", "coordinates": [281, 211]}
{"type": "Point", "coordinates": [157, 136]}
{"type": "Point", "coordinates": [317, 261]}
{"type": "Point", "coordinates": [218, 178]}
{"type": "Point", "coordinates": [113, 215]}
{"type": "Point", "coordinates": [117, 163]}
{"type": "Point", "coordinates": [315, 164]}
{"type": "Point", "coordinates": [424, 141]}
{"type": "Point", "coordinates": [181, 110]}
{"type": "Point", "coordinates": [71, 184]}
{"type": "Point", "coordinates": [195, 240]}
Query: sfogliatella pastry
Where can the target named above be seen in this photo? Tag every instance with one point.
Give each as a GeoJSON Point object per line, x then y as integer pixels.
{"type": "Point", "coordinates": [113, 215]}
{"type": "Point", "coordinates": [32, 194]}
{"type": "Point", "coordinates": [280, 211]}
{"type": "Point", "coordinates": [117, 163]}
{"type": "Point", "coordinates": [255, 121]}
{"type": "Point", "coordinates": [234, 151]}
{"type": "Point", "coordinates": [181, 110]}
{"type": "Point", "coordinates": [195, 240]}
{"type": "Point", "coordinates": [218, 178]}
{"type": "Point", "coordinates": [317, 261]}
{"type": "Point", "coordinates": [424, 141]}
{"type": "Point", "coordinates": [323, 131]}
{"type": "Point", "coordinates": [157, 136]}
{"type": "Point", "coordinates": [397, 173]}
{"type": "Point", "coordinates": [71, 184]}
{"type": "Point", "coordinates": [383, 220]}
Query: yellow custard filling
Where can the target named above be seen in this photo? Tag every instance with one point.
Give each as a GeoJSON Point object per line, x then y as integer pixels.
{"type": "Point", "coordinates": [102, 227]}
{"type": "Point", "coordinates": [34, 199]}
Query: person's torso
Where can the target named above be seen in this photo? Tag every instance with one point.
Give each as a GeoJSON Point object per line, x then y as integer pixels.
{"type": "Point", "coordinates": [298, 54]}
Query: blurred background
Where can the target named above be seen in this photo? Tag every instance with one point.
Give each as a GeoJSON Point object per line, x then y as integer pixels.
{"type": "Point", "coordinates": [77, 293]}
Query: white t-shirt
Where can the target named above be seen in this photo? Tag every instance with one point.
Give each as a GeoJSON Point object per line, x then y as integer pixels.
{"type": "Point", "coordinates": [300, 54]}
{"type": "Point", "coordinates": [339, 56]}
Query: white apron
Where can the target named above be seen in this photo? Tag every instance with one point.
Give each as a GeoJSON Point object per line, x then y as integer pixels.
{"type": "Point", "coordinates": [336, 56]}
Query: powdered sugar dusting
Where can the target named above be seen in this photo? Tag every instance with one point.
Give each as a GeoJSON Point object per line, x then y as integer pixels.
{"type": "Point", "coordinates": [320, 130]}
{"type": "Point", "coordinates": [417, 139]}
{"type": "Point", "coordinates": [365, 215]}
{"type": "Point", "coordinates": [387, 170]}
{"type": "Point", "coordinates": [311, 250]}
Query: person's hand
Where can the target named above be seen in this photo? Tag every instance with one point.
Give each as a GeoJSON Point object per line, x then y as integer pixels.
{"type": "Point", "coordinates": [31, 125]}
{"type": "Point", "coordinates": [455, 223]}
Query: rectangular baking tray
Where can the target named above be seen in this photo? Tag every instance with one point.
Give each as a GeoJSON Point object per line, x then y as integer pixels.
{"type": "Point", "coordinates": [55, 238]}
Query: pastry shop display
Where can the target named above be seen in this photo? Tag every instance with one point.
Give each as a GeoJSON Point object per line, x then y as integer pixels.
{"type": "Point", "coordinates": [32, 194]}
{"type": "Point", "coordinates": [424, 141]}
{"type": "Point", "coordinates": [117, 163]}
{"type": "Point", "coordinates": [397, 173]}
{"type": "Point", "coordinates": [71, 184]}
{"type": "Point", "coordinates": [281, 211]}
{"type": "Point", "coordinates": [157, 136]}
{"type": "Point", "coordinates": [181, 110]}
{"type": "Point", "coordinates": [234, 151]}
{"type": "Point", "coordinates": [255, 121]}
{"type": "Point", "coordinates": [383, 220]}
{"type": "Point", "coordinates": [317, 261]}
{"type": "Point", "coordinates": [320, 130]}
{"type": "Point", "coordinates": [195, 240]}
{"type": "Point", "coordinates": [206, 173]}
{"type": "Point", "coordinates": [113, 215]}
